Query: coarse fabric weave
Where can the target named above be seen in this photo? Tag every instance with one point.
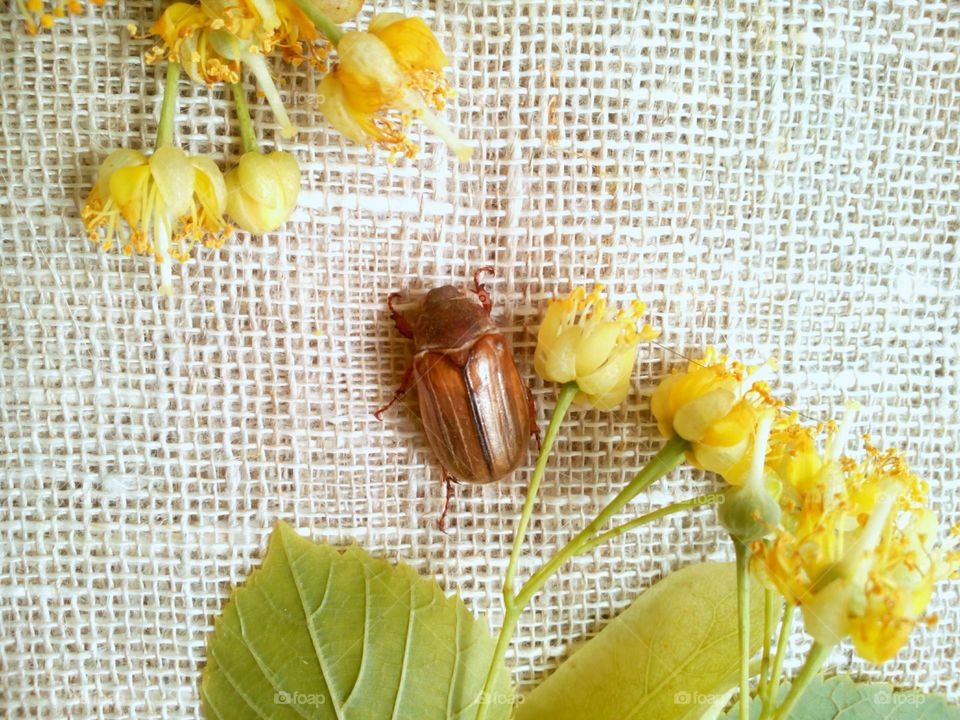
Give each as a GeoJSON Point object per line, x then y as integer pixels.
{"type": "Point", "coordinates": [778, 179]}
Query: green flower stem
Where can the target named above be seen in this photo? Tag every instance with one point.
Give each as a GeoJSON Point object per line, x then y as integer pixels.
{"type": "Point", "coordinates": [568, 391]}
{"type": "Point", "coordinates": [247, 134]}
{"type": "Point", "coordinates": [815, 659]}
{"type": "Point", "coordinates": [597, 540]}
{"type": "Point", "coordinates": [511, 610]}
{"type": "Point", "coordinates": [769, 609]}
{"type": "Point", "coordinates": [786, 627]}
{"type": "Point", "coordinates": [324, 24]}
{"type": "Point", "coordinates": [743, 622]}
{"type": "Point", "coordinates": [168, 110]}
{"type": "Point", "coordinates": [669, 457]}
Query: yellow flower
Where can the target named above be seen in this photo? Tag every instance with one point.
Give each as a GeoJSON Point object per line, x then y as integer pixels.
{"type": "Point", "coordinates": [169, 202]}
{"type": "Point", "coordinates": [262, 190]}
{"type": "Point", "coordinates": [387, 76]}
{"type": "Point", "coordinates": [714, 406]}
{"type": "Point", "coordinates": [215, 40]}
{"type": "Point", "coordinates": [43, 14]}
{"type": "Point", "coordinates": [580, 340]}
{"type": "Point", "coordinates": [857, 550]}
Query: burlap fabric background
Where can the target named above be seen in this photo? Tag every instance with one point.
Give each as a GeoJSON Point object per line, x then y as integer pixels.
{"type": "Point", "coordinates": [774, 178]}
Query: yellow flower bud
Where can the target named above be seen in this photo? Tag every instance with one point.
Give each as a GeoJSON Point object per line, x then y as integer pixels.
{"type": "Point", "coordinates": [712, 406]}
{"type": "Point", "coordinates": [262, 190]}
{"type": "Point", "coordinates": [579, 340]}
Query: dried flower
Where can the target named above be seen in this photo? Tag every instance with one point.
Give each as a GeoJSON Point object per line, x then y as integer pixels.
{"type": "Point", "coordinates": [387, 76]}
{"type": "Point", "coordinates": [169, 201]}
{"type": "Point", "coordinates": [714, 406]}
{"type": "Point", "coordinates": [581, 340]}
{"type": "Point", "coordinates": [262, 190]}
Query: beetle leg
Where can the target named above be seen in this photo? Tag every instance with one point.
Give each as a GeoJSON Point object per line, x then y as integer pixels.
{"type": "Point", "coordinates": [405, 386]}
{"type": "Point", "coordinates": [448, 481]}
{"type": "Point", "coordinates": [480, 290]}
{"type": "Point", "coordinates": [534, 428]}
{"type": "Point", "coordinates": [399, 320]}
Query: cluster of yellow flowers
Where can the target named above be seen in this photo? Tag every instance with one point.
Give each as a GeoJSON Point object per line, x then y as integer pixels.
{"type": "Point", "coordinates": [375, 84]}
{"type": "Point", "coordinates": [171, 201]}
{"type": "Point", "coordinates": [850, 542]}
{"type": "Point", "coordinates": [858, 549]}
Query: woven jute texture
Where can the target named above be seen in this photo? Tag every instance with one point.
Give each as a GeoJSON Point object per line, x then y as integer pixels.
{"type": "Point", "coordinates": [778, 179]}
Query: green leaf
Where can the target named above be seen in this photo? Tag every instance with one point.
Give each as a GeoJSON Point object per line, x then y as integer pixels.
{"type": "Point", "coordinates": [315, 633]}
{"type": "Point", "coordinates": [671, 654]}
{"type": "Point", "coordinates": [841, 697]}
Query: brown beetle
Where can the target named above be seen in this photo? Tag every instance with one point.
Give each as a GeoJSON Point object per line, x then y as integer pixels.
{"type": "Point", "coordinates": [476, 409]}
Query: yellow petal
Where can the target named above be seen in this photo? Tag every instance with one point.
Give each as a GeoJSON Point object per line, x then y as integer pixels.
{"type": "Point", "coordinates": [660, 405]}
{"type": "Point", "coordinates": [174, 176]}
{"type": "Point", "coordinates": [694, 418]}
{"type": "Point", "coordinates": [287, 171]}
{"type": "Point", "coordinates": [735, 427]}
{"type": "Point", "coordinates": [177, 21]}
{"type": "Point", "coordinates": [209, 184]}
{"type": "Point", "coordinates": [128, 189]}
{"type": "Point", "coordinates": [596, 346]}
{"type": "Point", "coordinates": [610, 399]}
{"type": "Point", "coordinates": [411, 42]}
{"type": "Point", "coordinates": [114, 161]}
{"type": "Point", "coordinates": [612, 374]}
{"type": "Point", "coordinates": [730, 461]}
{"type": "Point", "coordinates": [878, 640]}
{"type": "Point", "coordinates": [332, 103]}
{"type": "Point", "coordinates": [825, 613]}
{"type": "Point", "coordinates": [384, 19]}
{"type": "Point", "coordinates": [267, 10]}
{"type": "Point", "coordinates": [370, 76]}
{"type": "Point", "coordinates": [258, 180]}
{"type": "Point", "coordinates": [556, 361]}
{"type": "Point", "coordinates": [553, 321]}
{"type": "Point", "coordinates": [239, 209]}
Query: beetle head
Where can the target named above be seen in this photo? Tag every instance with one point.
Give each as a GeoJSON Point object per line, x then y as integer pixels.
{"type": "Point", "coordinates": [449, 318]}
